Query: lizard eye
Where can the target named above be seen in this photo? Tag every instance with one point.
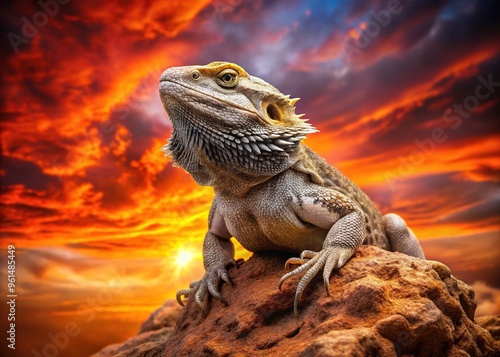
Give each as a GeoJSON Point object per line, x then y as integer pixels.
{"type": "Point", "coordinates": [196, 75]}
{"type": "Point", "coordinates": [228, 78]}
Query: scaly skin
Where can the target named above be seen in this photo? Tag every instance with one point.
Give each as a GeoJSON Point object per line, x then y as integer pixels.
{"type": "Point", "coordinates": [241, 135]}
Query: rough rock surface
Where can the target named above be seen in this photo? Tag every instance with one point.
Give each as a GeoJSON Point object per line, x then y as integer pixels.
{"type": "Point", "coordinates": [152, 336]}
{"type": "Point", "coordinates": [381, 304]}
{"type": "Point", "coordinates": [490, 323]}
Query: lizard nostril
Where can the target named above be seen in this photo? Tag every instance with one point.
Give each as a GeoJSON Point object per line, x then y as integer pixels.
{"type": "Point", "coordinates": [273, 112]}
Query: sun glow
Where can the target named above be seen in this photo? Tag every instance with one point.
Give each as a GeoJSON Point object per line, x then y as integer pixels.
{"type": "Point", "coordinates": [183, 258]}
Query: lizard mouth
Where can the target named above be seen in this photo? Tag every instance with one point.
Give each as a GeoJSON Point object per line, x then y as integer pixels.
{"type": "Point", "coordinates": [165, 83]}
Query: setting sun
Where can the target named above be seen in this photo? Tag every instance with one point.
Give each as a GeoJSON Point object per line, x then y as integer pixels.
{"type": "Point", "coordinates": [184, 256]}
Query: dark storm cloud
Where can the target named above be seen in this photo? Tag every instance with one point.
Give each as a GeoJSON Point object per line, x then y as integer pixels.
{"type": "Point", "coordinates": [22, 172]}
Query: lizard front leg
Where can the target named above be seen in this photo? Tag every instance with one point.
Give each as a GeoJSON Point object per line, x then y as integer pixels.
{"type": "Point", "coordinates": [345, 223]}
{"type": "Point", "coordinates": [218, 254]}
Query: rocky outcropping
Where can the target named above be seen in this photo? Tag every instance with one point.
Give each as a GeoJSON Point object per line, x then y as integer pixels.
{"type": "Point", "coordinates": [492, 324]}
{"type": "Point", "coordinates": [381, 304]}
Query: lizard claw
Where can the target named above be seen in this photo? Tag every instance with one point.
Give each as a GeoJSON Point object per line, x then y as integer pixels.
{"type": "Point", "coordinates": [185, 292]}
{"type": "Point", "coordinates": [209, 284]}
{"type": "Point", "coordinates": [328, 258]}
{"type": "Point", "coordinates": [294, 261]}
{"type": "Point", "coordinates": [180, 294]}
{"type": "Point", "coordinates": [305, 256]}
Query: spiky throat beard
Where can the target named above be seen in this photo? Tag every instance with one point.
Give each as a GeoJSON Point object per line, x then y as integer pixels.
{"type": "Point", "coordinates": [255, 151]}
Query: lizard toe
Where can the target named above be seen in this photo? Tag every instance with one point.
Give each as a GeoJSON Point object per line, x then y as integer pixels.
{"type": "Point", "coordinates": [308, 254]}
{"type": "Point", "coordinates": [181, 293]}
{"type": "Point", "coordinates": [212, 283]}
{"type": "Point", "coordinates": [294, 261]}
{"type": "Point", "coordinates": [328, 258]}
{"type": "Point", "coordinates": [193, 284]}
{"type": "Point", "coordinates": [225, 277]}
{"type": "Point", "coordinates": [297, 271]}
{"type": "Point", "coordinates": [200, 294]}
{"type": "Point", "coordinates": [319, 262]}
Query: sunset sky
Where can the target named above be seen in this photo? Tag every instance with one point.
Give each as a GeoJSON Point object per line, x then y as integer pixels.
{"type": "Point", "coordinates": [406, 96]}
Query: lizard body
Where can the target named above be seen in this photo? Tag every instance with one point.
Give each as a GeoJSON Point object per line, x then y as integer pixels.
{"type": "Point", "coordinates": [241, 135]}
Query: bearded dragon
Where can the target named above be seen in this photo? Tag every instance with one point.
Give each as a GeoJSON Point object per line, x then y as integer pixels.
{"type": "Point", "coordinates": [240, 135]}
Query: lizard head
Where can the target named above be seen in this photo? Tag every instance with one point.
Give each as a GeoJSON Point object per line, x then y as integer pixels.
{"type": "Point", "coordinates": [226, 121]}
